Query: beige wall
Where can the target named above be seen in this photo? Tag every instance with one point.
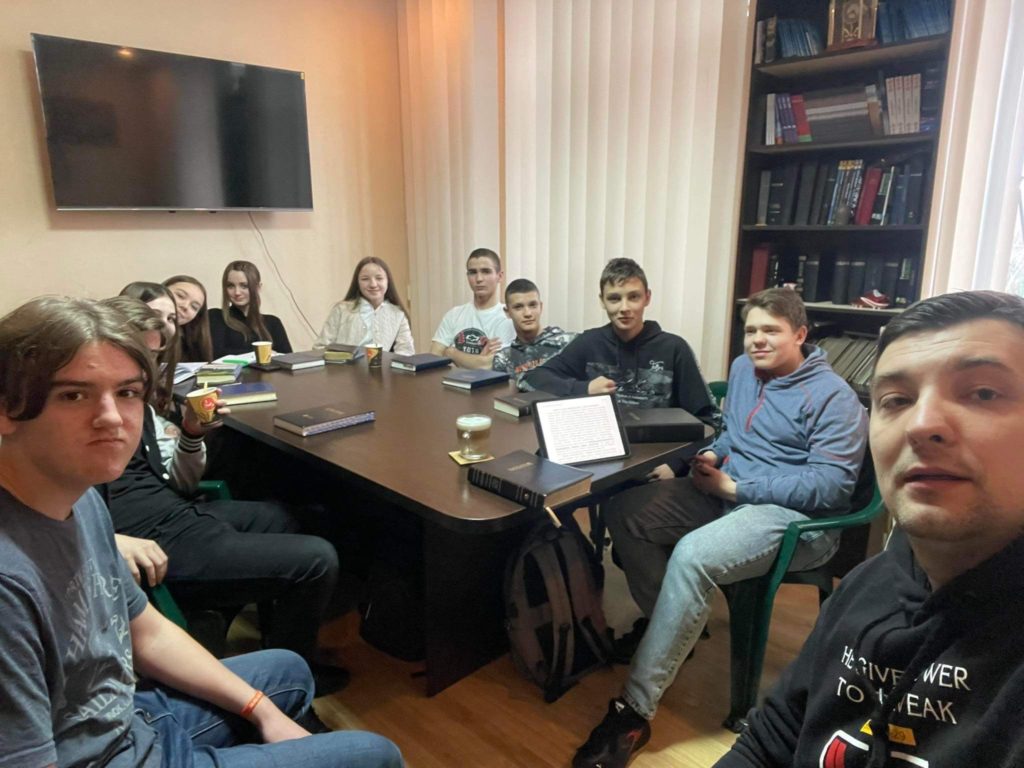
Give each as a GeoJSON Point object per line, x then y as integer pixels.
{"type": "Point", "coordinates": [348, 51]}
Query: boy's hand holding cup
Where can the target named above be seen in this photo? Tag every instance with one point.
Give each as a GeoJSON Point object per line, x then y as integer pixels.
{"type": "Point", "coordinates": [204, 412]}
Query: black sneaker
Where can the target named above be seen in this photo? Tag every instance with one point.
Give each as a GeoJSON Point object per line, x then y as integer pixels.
{"type": "Point", "coordinates": [616, 739]}
{"type": "Point", "coordinates": [328, 679]}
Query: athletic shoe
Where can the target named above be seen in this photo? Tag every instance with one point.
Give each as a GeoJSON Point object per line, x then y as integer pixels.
{"type": "Point", "coordinates": [615, 740]}
{"type": "Point", "coordinates": [873, 299]}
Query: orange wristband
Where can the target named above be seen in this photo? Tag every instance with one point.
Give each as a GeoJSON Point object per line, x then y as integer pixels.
{"type": "Point", "coordinates": [248, 708]}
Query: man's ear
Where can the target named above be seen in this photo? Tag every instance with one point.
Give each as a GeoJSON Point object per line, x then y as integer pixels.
{"type": "Point", "coordinates": [801, 334]}
{"type": "Point", "coordinates": [647, 301]}
{"type": "Point", "coordinates": [7, 424]}
{"type": "Point", "coordinates": [505, 307]}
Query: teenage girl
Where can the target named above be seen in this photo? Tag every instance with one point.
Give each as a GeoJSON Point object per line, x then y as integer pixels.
{"type": "Point", "coordinates": [159, 299]}
{"type": "Point", "coordinates": [239, 322]}
{"type": "Point", "coordinates": [371, 312]}
{"type": "Point", "coordinates": [193, 321]}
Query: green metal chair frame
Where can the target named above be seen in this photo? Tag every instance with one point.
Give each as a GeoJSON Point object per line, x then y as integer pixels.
{"type": "Point", "coordinates": [750, 605]}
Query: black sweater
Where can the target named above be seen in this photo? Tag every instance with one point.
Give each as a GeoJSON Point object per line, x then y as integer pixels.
{"type": "Point", "coordinates": [949, 666]}
{"type": "Point", "coordinates": [227, 341]}
{"type": "Point", "coordinates": [655, 370]}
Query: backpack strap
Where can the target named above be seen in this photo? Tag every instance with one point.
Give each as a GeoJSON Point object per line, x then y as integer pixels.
{"type": "Point", "coordinates": [586, 598]}
{"type": "Point", "coordinates": [522, 618]}
{"type": "Point", "coordinates": [563, 635]}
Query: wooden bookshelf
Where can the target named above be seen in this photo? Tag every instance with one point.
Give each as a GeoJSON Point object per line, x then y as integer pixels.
{"type": "Point", "coordinates": [849, 68]}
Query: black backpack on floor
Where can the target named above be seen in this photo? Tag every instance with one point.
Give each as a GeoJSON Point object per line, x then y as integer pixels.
{"type": "Point", "coordinates": [553, 615]}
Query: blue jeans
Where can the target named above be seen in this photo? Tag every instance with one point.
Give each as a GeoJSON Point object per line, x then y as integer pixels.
{"type": "Point", "coordinates": [715, 544]}
{"type": "Point", "coordinates": [195, 734]}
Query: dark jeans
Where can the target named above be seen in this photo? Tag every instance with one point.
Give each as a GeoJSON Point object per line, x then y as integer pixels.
{"type": "Point", "coordinates": [199, 735]}
{"type": "Point", "coordinates": [239, 552]}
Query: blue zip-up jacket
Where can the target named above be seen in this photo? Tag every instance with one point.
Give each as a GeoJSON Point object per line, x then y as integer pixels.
{"type": "Point", "coordinates": [797, 441]}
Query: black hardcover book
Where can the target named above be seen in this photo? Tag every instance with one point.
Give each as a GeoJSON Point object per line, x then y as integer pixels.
{"type": "Point", "coordinates": [790, 174]}
{"type": "Point", "coordinates": [898, 204]}
{"type": "Point", "coordinates": [890, 274]}
{"type": "Point", "coordinates": [531, 480]}
{"type": "Point", "coordinates": [776, 191]}
{"type": "Point", "coordinates": [873, 273]}
{"type": "Point", "coordinates": [342, 353]}
{"type": "Point", "coordinates": [826, 199]}
{"type": "Point", "coordinates": [520, 404]}
{"type": "Point", "coordinates": [474, 379]}
{"type": "Point", "coordinates": [774, 271]}
{"type": "Point", "coordinates": [420, 362]}
{"type": "Point", "coordinates": [879, 209]}
{"type": "Point", "coordinates": [915, 179]}
{"type": "Point", "coordinates": [324, 418]}
{"type": "Point", "coordinates": [840, 280]}
{"type": "Point", "coordinates": [906, 283]}
{"type": "Point", "coordinates": [296, 361]}
{"type": "Point", "coordinates": [812, 284]}
{"type": "Point", "coordinates": [763, 191]}
{"type": "Point", "coordinates": [661, 425]}
{"type": "Point", "coordinates": [808, 174]}
{"type": "Point", "coordinates": [819, 192]}
{"type": "Point", "coordinates": [858, 268]}
{"type": "Point", "coordinates": [801, 272]}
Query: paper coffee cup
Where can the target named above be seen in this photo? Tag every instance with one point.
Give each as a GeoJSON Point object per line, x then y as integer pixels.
{"type": "Point", "coordinates": [373, 355]}
{"type": "Point", "coordinates": [203, 403]}
{"type": "Point", "coordinates": [262, 349]}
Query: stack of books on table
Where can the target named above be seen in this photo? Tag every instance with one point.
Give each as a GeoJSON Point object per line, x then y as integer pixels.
{"type": "Point", "coordinates": [473, 379]}
{"type": "Point", "coordinates": [421, 362]}
{"type": "Point", "coordinates": [342, 353]}
{"type": "Point", "coordinates": [215, 374]}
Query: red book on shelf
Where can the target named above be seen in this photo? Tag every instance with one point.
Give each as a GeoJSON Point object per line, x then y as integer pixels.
{"type": "Point", "coordinates": [803, 126]}
{"type": "Point", "coordinates": [872, 180]}
{"type": "Point", "coordinates": [759, 269]}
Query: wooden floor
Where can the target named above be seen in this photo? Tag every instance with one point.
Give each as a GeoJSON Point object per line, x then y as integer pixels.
{"type": "Point", "coordinates": [496, 718]}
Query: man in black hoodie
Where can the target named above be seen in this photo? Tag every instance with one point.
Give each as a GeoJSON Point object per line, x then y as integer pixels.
{"type": "Point", "coordinates": [644, 366]}
{"type": "Point", "coordinates": [916, 660]}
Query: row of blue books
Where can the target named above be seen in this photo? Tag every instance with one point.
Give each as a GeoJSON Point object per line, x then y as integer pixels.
{"type": "Point", "coordinates": [900, 20]}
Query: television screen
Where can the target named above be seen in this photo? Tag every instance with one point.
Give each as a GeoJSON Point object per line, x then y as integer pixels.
{"type": "Point", "coordinates": [138, 129]}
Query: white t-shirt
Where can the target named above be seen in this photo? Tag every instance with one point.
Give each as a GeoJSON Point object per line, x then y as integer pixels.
{"type": "Point", "coordinates": [467, 328]}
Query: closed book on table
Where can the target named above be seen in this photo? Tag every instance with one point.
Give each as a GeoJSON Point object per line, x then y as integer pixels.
{"type": "Point", "coordinates": [520, 404]}
{"type": "Point", "coordinates": [531, 480]}
{"type": "Point", "coordinates": [420, 362]}
{"type": "Point", "coordinates": [342, 353]}
{"type": "Point", "coordinates": [323, 418]}
{"type": "Point", "coordinates": [296, 361]}
{"type": "Point", "coordinates": [840, 280]}
{"type": "Point", "coordinates": [246, 393]}
{"type": "Point", "coordinates": [661, 425]}
{"type": "Point", "coordinates": [473, 379]}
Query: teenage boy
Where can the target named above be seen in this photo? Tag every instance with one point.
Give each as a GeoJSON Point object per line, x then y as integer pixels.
{"type": "Point", "coordinates": [792, 449]}
{"type": "Point", "coordinates": [916, 660]}
{"type": "Point", "coordinates": [470, 334]}
{"type": "Point", "coordinates": [633, 358]}
{"type": "Point", "coordinates": [76, 629]}
{"type": "Point", "coordinates": [534, 344]}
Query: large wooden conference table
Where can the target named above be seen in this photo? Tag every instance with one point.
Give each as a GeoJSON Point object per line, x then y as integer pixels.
{"type": "Point", "coordinates": [402, 459]}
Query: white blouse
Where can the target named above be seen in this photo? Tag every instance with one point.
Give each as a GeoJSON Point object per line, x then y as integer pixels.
{"type": "Point", "coordinates": [359, 323]}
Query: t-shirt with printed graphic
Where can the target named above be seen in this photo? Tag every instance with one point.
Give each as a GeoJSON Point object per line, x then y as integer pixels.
{"type": "Point", "coordinates": [521, 357]}
{"type": "Point", "coordinates": [468, 329]}
{"type": "Point", "coordinates": [66, 678]}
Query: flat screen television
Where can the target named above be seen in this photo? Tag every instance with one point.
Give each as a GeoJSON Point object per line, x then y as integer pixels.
{"type": "Point", "coordinates": [128, 128]}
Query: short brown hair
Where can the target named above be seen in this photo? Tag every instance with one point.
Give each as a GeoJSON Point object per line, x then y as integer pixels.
{"type": "Point", "coordinates": [43, 335]}
{"type": "Point", "coordinates": [617, 271]}
{"type": "Point", "coordinates": [485, 253]}
{"type": "Point", "coordinates": [779, 302]}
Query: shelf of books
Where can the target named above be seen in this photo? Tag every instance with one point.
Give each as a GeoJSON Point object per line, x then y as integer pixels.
{"type": "Point", "coordinates": [842, 130]}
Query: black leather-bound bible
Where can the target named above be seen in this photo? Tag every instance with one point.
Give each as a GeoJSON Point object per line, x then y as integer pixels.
{"type": "Point", "coordinates": [531, 480]}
